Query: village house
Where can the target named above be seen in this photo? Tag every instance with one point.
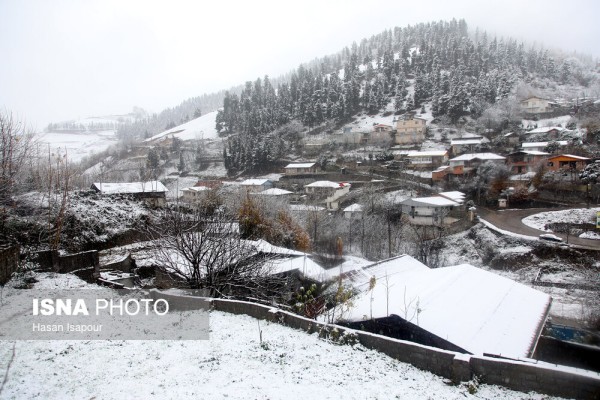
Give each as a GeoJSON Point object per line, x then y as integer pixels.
{"type": "Point", "coordinates": [567, 162]}
{"type": "Point", "coordinates": [153, 193]}
{"type": "Point", "coordinates": [327, 192]}
{"type": "Point", "coordinates": [300, 168]}
{"type": "Point", "coordinates": [427, 159]}
{"type": "Point", "coordinates": [275, 192]}
{"type": "Point", "coordinates": [410, 130]}
{"type": "Point", "coordinates": [256, 185]}
{"type": "Point", "coordinates": [195, 194]}
{"type": "Point", "coordinates": [348, 135]}
{"type": "Point", "coordinates": [467, 143]}
{"type": "Point", "coordinates": [511, 138]}
{"type": "Point", "coordinates": [381, 135]}
{"type": "Point", "coordinates": [536, 105]}
{"type": "Point", "coordinates": [441, 173]}
{"type": "Point", "coordinates": [541, 146]}
{"type": "Point", "coordinates": [433, 210]}
{"type": "Point", "coordinates": [199, 191]}
{"type": "Point", "coordinates": [353, 211]}
{"type": "Point", "coordinates": [468, 162]}
{"type": "Point", "coordinates": [458, 308]}
{"type": "Point", "coordinates": [521, 162]}
{"type": "Point", "coordinates": [465, 164]}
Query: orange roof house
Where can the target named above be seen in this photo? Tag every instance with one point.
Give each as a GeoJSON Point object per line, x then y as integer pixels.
{"type": "Point", "coordinates": [567, 162]}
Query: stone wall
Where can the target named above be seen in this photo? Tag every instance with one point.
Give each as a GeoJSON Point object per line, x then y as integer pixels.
{"type": "Point", "coordinates": [9, 262]}
{"type": "Point", "coordinates": [516, 375]}
{"type": "Point", "coordinates": [51, 260]}
{"type": "Point", "coordinates": [73, 262]}
{"type": "Point", "coordinates": [542, 379]}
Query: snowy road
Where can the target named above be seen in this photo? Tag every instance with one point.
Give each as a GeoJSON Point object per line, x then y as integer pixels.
{"type": "Point", "coordinates": [510, 220]}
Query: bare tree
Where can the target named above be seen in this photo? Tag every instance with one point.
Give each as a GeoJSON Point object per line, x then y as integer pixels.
{"type": "Point", "coordinates": [429, 242]}
{"type": "Point", "coordinates": [15, 146]}
{"type": "Point", "coordinates": [207, 251]}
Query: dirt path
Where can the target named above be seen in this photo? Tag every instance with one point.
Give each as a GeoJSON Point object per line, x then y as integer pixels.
{"type": "Point", "coordinates": [510, 220]}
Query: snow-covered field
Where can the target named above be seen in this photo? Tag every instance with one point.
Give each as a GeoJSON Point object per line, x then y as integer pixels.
{"type": "Point", "coordinates": [574, 216]}
{"type": "Point", "coordinates": [562, 121]}
{"type": "Point", "coordinates": [233, 364]}
{"type": "Point", "coordinates": [76, 145]}
{"type": "Point", "coordinates": [200, 128]}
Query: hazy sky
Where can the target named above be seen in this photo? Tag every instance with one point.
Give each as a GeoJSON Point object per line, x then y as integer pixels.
{"type": "Point", "coordinates": [67, 59]}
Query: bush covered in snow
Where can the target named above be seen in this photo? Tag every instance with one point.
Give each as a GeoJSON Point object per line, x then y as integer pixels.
{"type": "Point", "coordinates": [92, 219]}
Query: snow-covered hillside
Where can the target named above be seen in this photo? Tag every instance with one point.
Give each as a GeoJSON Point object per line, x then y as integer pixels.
{"type": "Point", "coordinates": [76, 145]}
{"type": "Point", "coordinates": [81, 137]}
{"type": "Point", "coordinates": [200, 128]}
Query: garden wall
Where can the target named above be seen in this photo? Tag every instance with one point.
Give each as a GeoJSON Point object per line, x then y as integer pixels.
{"type": "Point", "coordinates": [516, 375]}
{"type": "Point", "coordinates": [51, 260]}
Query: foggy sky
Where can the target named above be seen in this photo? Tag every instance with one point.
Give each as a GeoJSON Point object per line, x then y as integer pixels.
{"type": "Point", "coordinates": [62, 60]}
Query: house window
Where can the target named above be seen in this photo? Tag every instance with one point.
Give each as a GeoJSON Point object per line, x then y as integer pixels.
{"type": "Point", "coordinates": [551, 164]}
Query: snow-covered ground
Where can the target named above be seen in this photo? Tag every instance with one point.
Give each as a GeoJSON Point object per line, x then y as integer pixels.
{"type": "Point", "coordinates": [542, 123]}
{"type": "Point", "coordinates": [573, 216]}
{"type": "Point", "coordinates": [200, 128]}
{"type": "Point", "coordinates": [76, 145]}
{"type": "Point", "coordinates": [233, 364]}
{"type": "Point", "coordinates": [398, 196]}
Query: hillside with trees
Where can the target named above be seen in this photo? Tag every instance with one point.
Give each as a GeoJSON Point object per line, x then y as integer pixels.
{"type": "Point", "coordinates": [458, 72]}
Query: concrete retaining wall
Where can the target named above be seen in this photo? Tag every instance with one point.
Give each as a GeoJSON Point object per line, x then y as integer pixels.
{"type": "Point", "coordinates": [9, 262]}
{"type": "Point", "coordinates": [517, 375]}
{"type": "Point", "coordinates": [51, 260]}
{"type": "Point", "coordinates": [73, 262]}
{"type": "Point", "coordinates": [526, 377]}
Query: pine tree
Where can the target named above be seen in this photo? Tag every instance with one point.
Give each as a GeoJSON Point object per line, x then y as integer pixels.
{"type": "Point", "coordinates": [181, 165]}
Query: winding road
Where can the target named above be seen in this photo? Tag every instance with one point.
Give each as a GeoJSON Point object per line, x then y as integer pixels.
{"type": "Point", "coordinates": [510, 220]}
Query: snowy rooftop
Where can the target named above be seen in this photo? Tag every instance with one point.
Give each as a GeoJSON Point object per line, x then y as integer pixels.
{"type": "Point", "coordinates": [130, 187]}
{"type": "Point", "coordinates": [431, 201]}
{"type": "Point", "coordinates": [456, 196]}
{"type": "Point", "coordinates": [255, 182]}
{"type": "Point", "coordinates": [476, 310]}
{"type": "Point", "coordinates": [354, 208]}
{"type": "Point", "coordinates": [327, 184]}
{"type": "Point", "coordinates": [302, 264]}
{"type": "Point", "coordinates": [531, 152]}
{"type": "Point", "coordinates": [466, 141]}
{"type": "Point", "coordinates": [300, 165]}
{"type": "Point", "coordinates": [432, 153]}
{"type": "Point", "coordinates": [265, 247]}
{"type": "Point", "coordinates": [534, 97]}
{"type": "Point", "coordinates": [546, 129]}
{"type": "Point", "coordinates": [570, 156]}
{"type": "Point", "coordinates": [527, 145]}
{"type": "Point", "coordinates": [480, 156]}
{"type": "Point", "coordinates": [196, 189]}
{"type": "Point", "coordinates": [274, 192]}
